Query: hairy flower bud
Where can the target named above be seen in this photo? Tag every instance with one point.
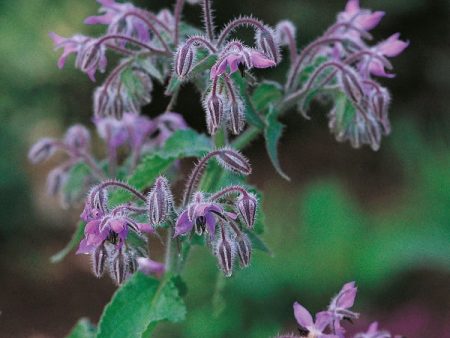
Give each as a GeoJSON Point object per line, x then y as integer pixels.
{"type": "Point", "coordinates": [90, 56]}
{"type": "Point", "coordinates": [225, 254]}
{"type": "Point", "coordinates": [247, 204]}
{"type": "Point", "coordinates": [56, 179]}
{"type": "Point", "coordinates": [78, 138]}
{"type": "Point", "coordinates": [119, 266]}
{"type": "Point", "coordinates": [101, 102]}
{"type": "Point", "coordinates": [266, 42]}
{"type": "Point", "coordinates": [184, 59]}
{"type": "Point", "coordinates": [351, 86]}
{"type": "Point", "coordinates": [244, 249]}
{"type": "Point", "coordinates": [98, 260]}
{"type": "Point", "coordinates": [42, 150]}
{"type": "Point", "coordinates": [233, 160]}
{"type": "Point", "coordinates": [159, 201]}
{"type": "Point", "coordinates": [236, 117]}
{"type": "Point", "coordinates": [213, 106]}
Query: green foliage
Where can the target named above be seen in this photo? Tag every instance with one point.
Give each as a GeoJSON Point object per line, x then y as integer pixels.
{"type": "Point", "coordinates": [138, 305]}
{"type": "Point", "coordinates": [75, 186]}
{"type": "Point", "coordinates": [83, 329]}
{"type": "Point", "coordinates": [272, 135]}
{"type": "Point", "coordinates": [76, 238]}
{"type": "Point", "coordinates": [266, 94]}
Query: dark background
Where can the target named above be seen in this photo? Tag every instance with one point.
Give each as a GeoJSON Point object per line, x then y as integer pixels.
{"type": "Point", "coordinates": [382, 219]}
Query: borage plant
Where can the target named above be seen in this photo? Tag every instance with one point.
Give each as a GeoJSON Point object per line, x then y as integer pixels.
{"type": "Point", "coordinates": [129, 194]}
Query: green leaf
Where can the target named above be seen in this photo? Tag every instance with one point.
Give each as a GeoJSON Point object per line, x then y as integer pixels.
{"type": "Point", "coordinates": [307, 71]}
{"type": "Point", "coordinates": [345, 112]}
{"type": "Point", "coordinates": [257, 242]}
{"type": "Point", "coordinates": [251, 115]}
{"type": "Point", "coordinates": [267, 93]}
{"type": "Point", "coordinates": [138, 305]}
{"type": "Point", "coordinates": [82, 329]}
{"type": "Point", "coordinates": [182, 143]}
{"type": "Point", "coordinates": [76, 238]}
{"type": "Point", "coordinates": [203, 64]}
{"type": "Point", "coordinates": [272, 134]}
{"type": "Point", "coordinates": [149, 66]}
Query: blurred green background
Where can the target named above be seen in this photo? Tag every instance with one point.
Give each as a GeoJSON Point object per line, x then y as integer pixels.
{"type": "Point", "coordinates": [382, 219]}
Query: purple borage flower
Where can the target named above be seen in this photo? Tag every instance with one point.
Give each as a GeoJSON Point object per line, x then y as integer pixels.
{"type": "Point", "coordinates": [359, 18]}
{"type": "Point", "coordinates": [90, 57]}
{"type": "Point", "coordinates": [373, 332]}
{"type": "Point", "coordinates": [201, 214]}
{"type": "Point", "coordinates": [237, 57]}
{"type": "Point", "coordinates": [340, 305]}
{"type": "Point", "coordinates": [310, 328]}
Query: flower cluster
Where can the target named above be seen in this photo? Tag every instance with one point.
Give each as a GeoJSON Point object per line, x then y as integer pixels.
{"type": "Point", "coordinates": [327, 324]}
{"type": "Point", "coordinates": [222, 102]}
{"type": "Point", "coordinates": [343, 64]}
{"type": "Point", "coordinates": [135, 133]}
{"type": "Point", "coordinates": [225, 215]}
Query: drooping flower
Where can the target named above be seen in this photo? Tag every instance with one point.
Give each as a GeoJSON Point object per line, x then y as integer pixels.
{"type": "Point", "coordinates": [363, 19]}
{"type": "Point", "coordinates": [340, 305]}
{"type": "Point", "coordinates": [90, 56]}
{"type": "Point", "coordinates": [309, 327]}
{"type": "Point", "coordinates": [240, 59]}
{"type": "Point", "coordinates": [120, 19]}
{"type": "Point", "coordinates": [390, 47]}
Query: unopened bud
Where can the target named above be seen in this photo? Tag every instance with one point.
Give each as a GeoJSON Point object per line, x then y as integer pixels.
{"type": "Point", "coordinates": [98, 260]}
{"type": "Point", "coordinates": [91, 56]}
{"type": "Point", "coordinates": [265, 40]}
{"type": "Point", "coordinates": [159, 201]}
{"type": "Point", "coordinates": [214, 111]}
{"type": "Point", "coordinates": [244, 249]}
{"type": "Point", "coordinates": [233, 160]}
{"type": "Point", "coordinates": [119, 266]}
{"type": "Point", "coordinates": [225, 255]}
{"type": "Point", "coordinates": [247, 204]}
{"type": "Point", "coordinates": [101, 102]}
{"type": "Point", "coordinates": [236, 117]}
{"type": "Point", "coordinates": [285, 31]}
{"type": "Point", "coordinates": [42, 150]}
{"type": "Point", "coordinates": [56, 179]}
{"type": "Point", "coordinates": [77, 137]}
{"type": "Point", "coordinates": [351, 87]}
{"type": "Point", "coordinates": [184, 59]}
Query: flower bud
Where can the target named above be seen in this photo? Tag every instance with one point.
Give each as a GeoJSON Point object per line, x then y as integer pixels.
{"type": "Point", "coordinates": [101, 102]}
{"type": "Point", "coordinates": [55, 180]}
{"type": "Point", "coordinates": [119, 266]}
{"type": "Point", "coordinates": [244, 249]}
{"type": "Point", "coordinates": [184, 59]}
{"type": "Point", "coordinates": [236, 117]}
{"type": "Point", "coordinates": [214, 110]}
{"type": "Point", "coordinates": [98, 260]}
{"type": "Point", "coordinates": [91, 56]}
{"type": "Point", "coordinates": [265, 40]}
{"type": "Point", "coordinates": [233, 160]}
{"type": "Point", "coordinates": [285, 31]}
{"type": "Point", "coordinates": [42, 150]}
{"type": "Point", "coordinates": [78, 138]}
{"type": "Point", "coordinates": [247, 204]}
{"type": "Point", "coordinates": [225, 255]}
{"type": "Point", "coordinates": [351, 87]}
{"type": "Point", "coordinates": [159, 201]}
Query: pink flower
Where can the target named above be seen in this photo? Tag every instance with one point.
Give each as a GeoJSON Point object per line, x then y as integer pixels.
{"type": "Point", "coordinates": [308, 326]}
{"type": "Point", "coordinates": [361, 18]}
{"type": "Point", "coordinates": [243, 58]}
{"type": "Point", "coordinates": [150, 267]}
{"type": "Point", "coordinates": [390, 47]}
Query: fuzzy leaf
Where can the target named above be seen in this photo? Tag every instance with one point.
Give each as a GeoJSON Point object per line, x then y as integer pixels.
{"type": "Point", "coordinates": [82, 329]}
{"type": "Point", "coordinates": [76, 238]}
{"type": "Point", "coordinates": [258, 243]}
{"type": "Point", "coordinates": [76, 184]}
{"type": "Point", "coordinates": [149, 66]}
{"type": "Point", "coordinates": [138, 305]}
{"type": "Point", "coordinates": [272, 134]}
{"type": "Point", "coordinates": [267, 93]}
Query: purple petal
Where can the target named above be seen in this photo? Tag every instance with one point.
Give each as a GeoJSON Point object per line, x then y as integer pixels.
{"type": "Point", "coordinates": [183, 224]}
{"type": "Point", "coordinates": [259, 60]}
{"type": "Point", "coordinates": [145, 227]}
{"type": "Point", "coordinates": [302, 316]}
{"type": "Point", "coordinates": [373, 328]}
{"type": "Point", "coordinates": [150, 267]}
{"type": "Point", "coordinates": [322, 320]}
{"type": "Point", "coordinates": [352, 6]}
{"type": "Point", "coordinates": [369, 21]}
{"type": "Point", "coordinates": [377, 68]}
{"type": "Point", "coordinates": [393, 46]}
{"type": "Point", "coordinates": [57, 39]}
{"type": "Point", "coordinates": [211, 223]}
{"type": "Point", "coordinates": [85, 248]}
